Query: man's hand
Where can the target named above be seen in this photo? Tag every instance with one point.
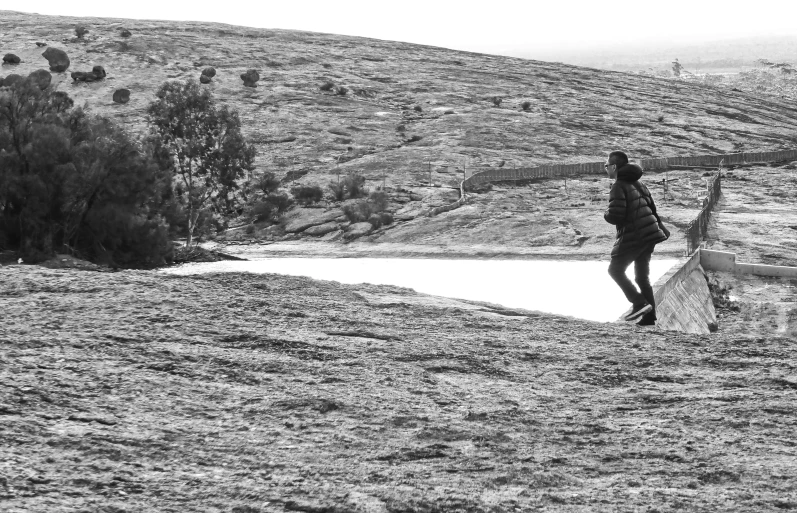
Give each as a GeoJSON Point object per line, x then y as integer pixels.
{"type": "Point", "coordinates": [664, 229]}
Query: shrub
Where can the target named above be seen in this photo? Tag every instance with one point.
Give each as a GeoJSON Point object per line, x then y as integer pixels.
{"type": "Point", "coordinates": [375, 220]}
{"type": "Point", "coordinates": [525, 105]}
{"type": "Point", "coordinates": [81, 31]}
{"type": "Point", "coordinates": [496, 101]}
{"type": "Point", "coordinates": [357, 211]}
{"type": "Point", "coordinates": [417, 108]}
{"type": "Point", "coordinates": [387, 218]}
{"type": "Point", "coordinates": [307, 194]}
{"type": "Point", "coordinates": [338, 190]}
{"type": "Point", "coordinates": [355, 185]}
{"type": "Point", "coordinates": [415, 138]}
{"type": "Point", "coordinates": [270, 208]}
{"type": "Point", "coordinates": [341, 91]}
{"type": "Point", "coordinates": [660, 118]}
{"type": "Point", "coordinates": [267, 183]}
{"type": "Point", "coordinates": [379, 200]}
{"type": "Point", "coordinates": [327, 86]}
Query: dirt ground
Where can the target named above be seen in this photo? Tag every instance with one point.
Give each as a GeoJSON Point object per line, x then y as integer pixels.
{"type": "Point", "coordinates": [136, 391]}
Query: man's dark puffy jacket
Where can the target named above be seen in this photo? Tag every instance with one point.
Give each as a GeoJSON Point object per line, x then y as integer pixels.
{"type": "Point", "coordinates": [632, 210]}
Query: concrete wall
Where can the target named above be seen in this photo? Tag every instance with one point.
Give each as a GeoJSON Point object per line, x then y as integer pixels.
{"type": "Point", "coordinates": [712, 260]}
{"type": "Point", "coordinates": [683, 300]}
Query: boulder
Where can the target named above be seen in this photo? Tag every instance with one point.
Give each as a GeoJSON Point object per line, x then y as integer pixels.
{"type": "Point", "coordinates": [97, 73]}
{"type": "Point", "coordinates": [322, 229]}
{"type": "Point", "coordinates": [358, 230]}
{"type": "Point", "coordinates": [209, 72]}
{"type": "Point", "coordinates": [58, 59]}
{"type": "Point", "coordinates": [125, 33]}
{"type": "Point", "coordinates": [250, 78]}
{"type": "Point", "coordinates": [12, 79]}
{"type": "Point", "coordinates": [41, 77]}
{"type": "Point", "coordinates": [121, 96]}
{"type": "Point", "coordinates": [40, 44]}
{"type": "Point", "coordinates": [10, 58]}
{"type": "Point", "coordinates": [301, 219]}
{"type": "Point", "coordinates": [204, 79]}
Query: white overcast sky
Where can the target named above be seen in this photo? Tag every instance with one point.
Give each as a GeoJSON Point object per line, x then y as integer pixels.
{"type": "Point", "coordinates": [493, 26]}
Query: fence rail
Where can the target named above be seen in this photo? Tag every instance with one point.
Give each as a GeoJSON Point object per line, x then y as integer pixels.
{"type": "Point", "coordinates": [697, 229]}
{"type": "Point", "coordinates": [561, 170]}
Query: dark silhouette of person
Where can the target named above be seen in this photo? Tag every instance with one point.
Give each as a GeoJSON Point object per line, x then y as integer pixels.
{"type": "Point", "coordinates": [639, 229]}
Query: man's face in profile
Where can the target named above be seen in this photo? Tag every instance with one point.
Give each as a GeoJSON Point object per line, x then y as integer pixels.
{"type": "Point", "coordinates": [611, 168]}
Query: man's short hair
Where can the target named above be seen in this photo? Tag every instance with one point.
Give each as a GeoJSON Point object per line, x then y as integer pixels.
{"type": "Point", "coordinates": [620, 158]}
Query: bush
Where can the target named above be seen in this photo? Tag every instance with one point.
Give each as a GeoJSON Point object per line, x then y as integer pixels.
{"type": "Point", "coordinates": [308, 194]}
{"type": "Point", "coordinates": [267, 183]}
{"type": "Point", "coordinates": [327, 86]}
{"type": "Point", "coordinates": [338, 190]}
{"type": "Point", "coordinates": [81, 31]}
{"type": "Point", "coordinates": [341, 91]}
{"type": "Point", "coordinates": [525, 105]}
{"type": "Point", "coordinates": [270, 208]}
{"type": "Point", "coordinates": [387, 218]}
{"type": "Point", "coordinates": [417, 108]}
{"type": "Point", "coordinates": [357, 211]}
{"type": "Point", "coordinates": [379, 200]}
{"type": "Point", "coordinates": [496, 101]}
{"type": "Point", "coordinates": [78, 184]}
{"type": "Point", "coordinates": [375, 220]}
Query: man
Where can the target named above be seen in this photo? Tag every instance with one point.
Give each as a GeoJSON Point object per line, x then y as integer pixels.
{"type": "Point", "coordinates": [639, 229]}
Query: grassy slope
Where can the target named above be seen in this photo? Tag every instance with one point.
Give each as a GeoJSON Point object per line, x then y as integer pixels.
{"type": "Point", "coordinates": [145, 393]}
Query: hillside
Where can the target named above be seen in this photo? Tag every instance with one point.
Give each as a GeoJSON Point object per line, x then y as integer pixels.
{"type": "Point", "coordinates": [412, 112]}
{"type": "Point", "coordinates": [577, 114]}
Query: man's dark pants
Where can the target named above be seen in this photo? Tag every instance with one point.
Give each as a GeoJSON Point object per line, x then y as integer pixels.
{"type": "Point", "coordinates": [640, 256]}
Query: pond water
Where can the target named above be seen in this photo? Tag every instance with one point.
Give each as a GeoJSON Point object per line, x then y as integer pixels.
{"type": "Point", "coordinates": [575, 288]}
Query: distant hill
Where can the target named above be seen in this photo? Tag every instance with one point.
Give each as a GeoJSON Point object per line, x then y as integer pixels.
{"type": "Point", "coordinates": [406, 105]}
{"type": "Point", "coordinates": [705, 57]}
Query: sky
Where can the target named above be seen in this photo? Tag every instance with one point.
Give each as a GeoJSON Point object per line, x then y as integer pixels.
{"type": "Point", "coordinates": [495, 26]}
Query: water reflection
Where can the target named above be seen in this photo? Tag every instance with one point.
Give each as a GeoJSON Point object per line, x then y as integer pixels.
{"type": "Point", "coordinates": [578, 289]}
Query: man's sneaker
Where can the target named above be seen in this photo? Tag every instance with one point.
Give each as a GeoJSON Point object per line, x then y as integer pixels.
{"type": "Point", "coordinates": [638, 312]}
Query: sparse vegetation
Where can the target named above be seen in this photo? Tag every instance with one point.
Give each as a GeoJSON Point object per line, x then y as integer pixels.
{"type": "Point", "coordinates": [497, 100]}
{"type": "Point", "coordinates": [369, 209]}
{"type": "Point", "coordinates": [341, 91]}
{"type": "Point", "coordinates": [418, 108]}
{"type": "Point", "coordinates": [351, 187]}
{"type": "Point", "coordinates": [307, 194]}
{"type": "Point", "coordinates": [81, 31]}
{"type": "Point", "coordinates": [525, 105]}
{"type": "Point", "coordinates": [327, 86]}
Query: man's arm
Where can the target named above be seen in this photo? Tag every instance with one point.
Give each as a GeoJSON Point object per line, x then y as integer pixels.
{"type": "Point", "coordinates": [658, 219]}
{"type": "Point", "coordinates": [615, 214]}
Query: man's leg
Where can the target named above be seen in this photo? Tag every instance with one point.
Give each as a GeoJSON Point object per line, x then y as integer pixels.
{"type": "Point", "coordinates": [617, 269]}
{"type": "Point", "coordinates": [642, 278]}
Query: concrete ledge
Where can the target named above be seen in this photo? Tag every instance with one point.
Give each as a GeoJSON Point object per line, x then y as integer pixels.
{"type": "Point", "coordinates": [712, 260]}
{"type": "Point", "coordinates": [683, 300]}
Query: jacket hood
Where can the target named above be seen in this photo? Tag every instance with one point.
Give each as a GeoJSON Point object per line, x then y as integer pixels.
{"type": "Point", "coordinates": [629, 173]}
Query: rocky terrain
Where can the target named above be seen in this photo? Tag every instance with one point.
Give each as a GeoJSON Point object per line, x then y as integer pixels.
{"type": "Point", "coordinates": [138, 391]}
{"type": "Point", "coordinates": [410, 113]}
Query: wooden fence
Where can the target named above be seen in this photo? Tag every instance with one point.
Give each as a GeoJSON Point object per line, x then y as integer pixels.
{"type": "Point", "coordinates": [562, 170]}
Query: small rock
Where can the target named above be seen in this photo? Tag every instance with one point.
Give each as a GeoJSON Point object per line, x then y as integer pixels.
{"type": "Point", "coordinates": [121, 96]}
{"type": "Point", "coordinates": [322, 229]}
{"type": "Point", "coordinates": [204, 79]}
{"type": "Point", "coordinates": [210, 72]}
{"type": "Point", "coordinates": [250, 78]}
{"type": "Point", "coordinates": [10, 58]}
{"type": "Point", "coordinates": [58, 59]}
{"type": "Point", "coordinates": [97, 73]}
{"type": "Point", "coordinates": [39, 480]}
{"type": "Point", "coordinates": [41, 77]}
{"type": "Point", "coordinates": [358, 230]}
{"type": "Point", "coordinates": [39, 44]}
{"type": "Point", "coordinates": [125, 33]}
